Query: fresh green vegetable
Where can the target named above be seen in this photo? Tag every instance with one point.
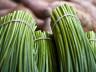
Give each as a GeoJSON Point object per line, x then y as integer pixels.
{"type": "Point", "coordinates": [92, 39]}
{"type": "Point", "coordinates": [19, 51]}
{"type": "Point", "coordinates": [45, 52]}
{"type": "Point", "coordinates": [74, 51]}
{"type": "Point", "coordinates": [16, 43]}
{"type": "Point", "coordinates": [22, 49]}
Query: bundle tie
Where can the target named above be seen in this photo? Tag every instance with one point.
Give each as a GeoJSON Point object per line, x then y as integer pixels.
{"type": "Point", "coordinates": [42, 38]}
{"type": "Point", "coordinates": [18, 20]}
{"type": "Point", "coordinates": [92, 39]}
{"type": "Point", "coordinates": [62, 17]}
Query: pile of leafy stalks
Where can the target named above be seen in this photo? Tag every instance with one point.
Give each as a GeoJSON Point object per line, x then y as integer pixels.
{"type": "Point", "coordinates": [92, 39]}
{"type": "Point", "coordinates": [23, 49]}
{"type": "Point", "coordinates": [18, 46]}
{"type": "Point", "coordinates": [74, 50]}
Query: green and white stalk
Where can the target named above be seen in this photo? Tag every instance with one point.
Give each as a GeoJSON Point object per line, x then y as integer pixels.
{"type": "Point", "coordinates": [74, 50]}
{"type": "Point", "coordinates": [16, 43]}
{"type": "Point", "coordinates": [45, 52]}
{"type": "Point", "coordinates": [92, 39]}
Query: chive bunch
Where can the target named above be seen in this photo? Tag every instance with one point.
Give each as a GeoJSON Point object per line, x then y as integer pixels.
{"type": "Point", "coordinates": [45, 52]}
{"type": "Point", "coordinates": [74, 51]}
{"type": "Point", "coordinates": [23, 49]}
{"type": "Point", "coordinates": [16, 43]}
{"type": "Point", "coordinates": [91, 35]}
{"type": "Point", "coordinates": [19, 49]}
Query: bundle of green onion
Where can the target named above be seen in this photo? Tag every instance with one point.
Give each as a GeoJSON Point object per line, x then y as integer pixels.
{"type": "Point", "coordinates": [92, 39]}
{"type": "Point", "coordinates": [74, 51]}
{"type": "Point", "coordinates": [22, 49]}
{"type": "Point", "coordinates": [16, 43]}
{"type": "Point", "coordinates": [45, 52]}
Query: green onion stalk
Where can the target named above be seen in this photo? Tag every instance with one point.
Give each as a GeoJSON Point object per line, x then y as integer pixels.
{"type": "Point", "coordinates": [16, 43]}
{"type": "Point", "coordinates": [45, 53]}
{"type": "Point", "coordinates": [92, 39]}
{"type": "Point", "coordinates": [73, 48]}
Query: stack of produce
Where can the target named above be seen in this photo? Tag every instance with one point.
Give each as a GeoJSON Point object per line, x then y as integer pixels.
{"type": "Point", "coordinates": [92, 39]}
{"type": "Point", "coordinates": [74, 51]}
{"type": "Point", "coordinates": [16, 43]}
{"type": "Point", "coordinates": [22, 49]}
{"type": "Point", "coordinates": [45, 52]}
